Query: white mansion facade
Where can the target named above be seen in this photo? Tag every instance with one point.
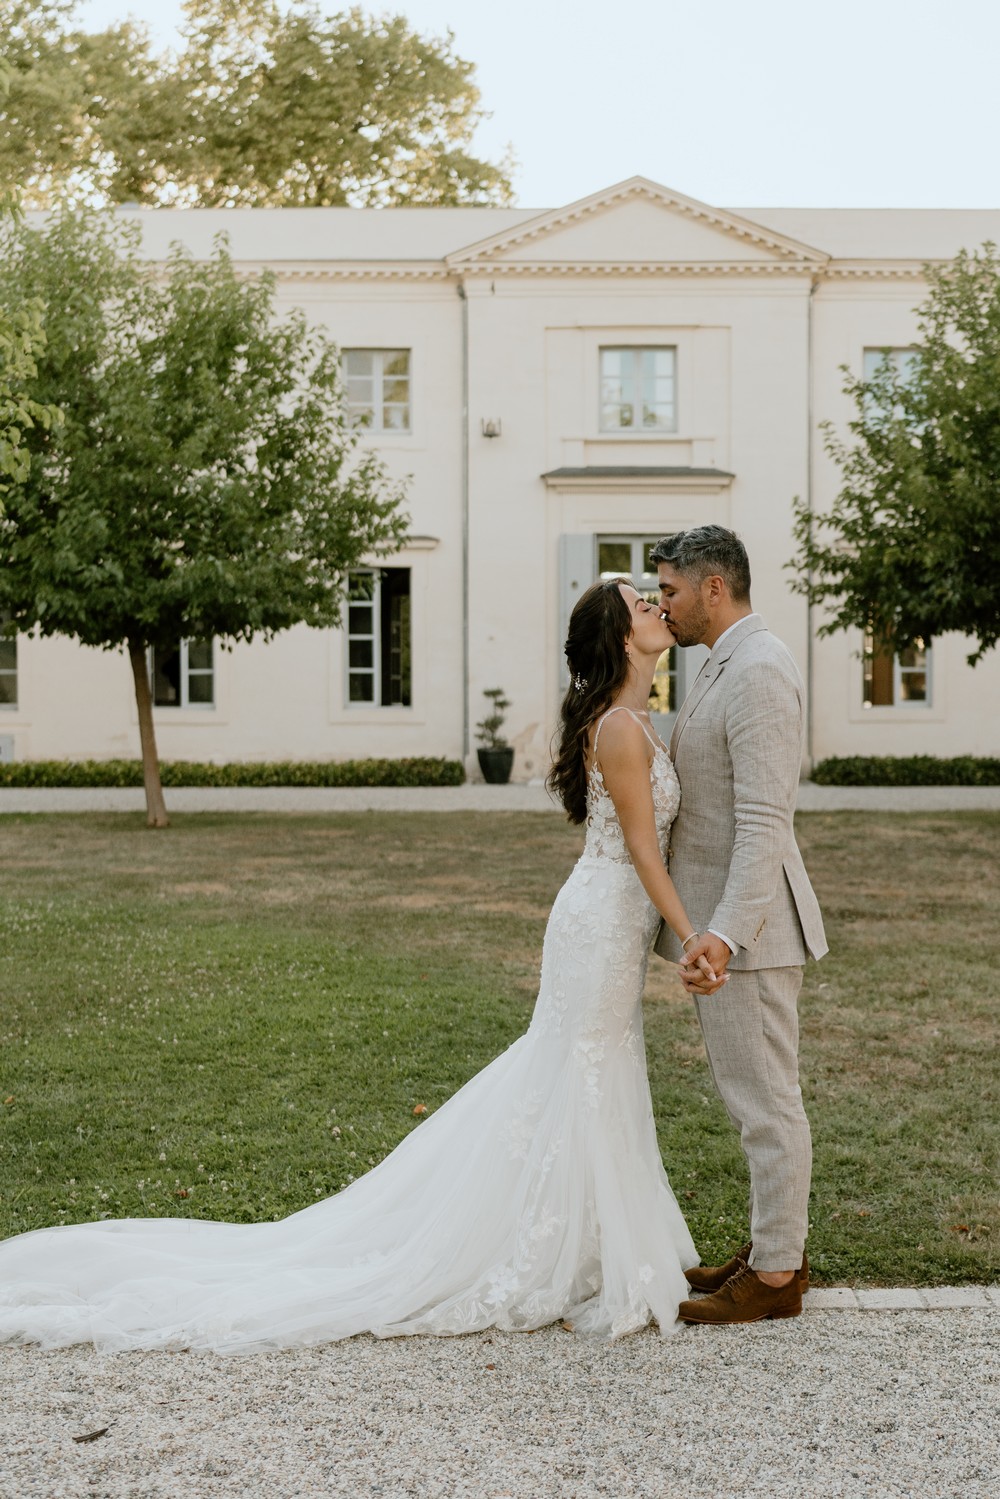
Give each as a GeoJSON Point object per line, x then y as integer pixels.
{"type": "Point", "coordinates": [562, 387]}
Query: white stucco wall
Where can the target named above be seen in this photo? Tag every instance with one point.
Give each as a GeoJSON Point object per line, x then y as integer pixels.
{"type": "Point", "coordinates": [762, 307]}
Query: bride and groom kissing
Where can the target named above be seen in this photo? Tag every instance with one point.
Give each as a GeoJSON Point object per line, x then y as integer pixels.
{"type": "Point", "coordinates": [537, 1192]}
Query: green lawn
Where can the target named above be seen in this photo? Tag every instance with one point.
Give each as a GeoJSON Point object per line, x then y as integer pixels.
{"type": "Point", "coordinates": [234, 1017]}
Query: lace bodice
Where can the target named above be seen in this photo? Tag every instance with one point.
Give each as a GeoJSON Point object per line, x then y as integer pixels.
{"type": "Point", "coordinates": [605, 839]}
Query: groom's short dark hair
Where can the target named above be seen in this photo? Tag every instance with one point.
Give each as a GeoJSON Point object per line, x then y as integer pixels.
{"type": "Point", "coordinates": [705, 550]}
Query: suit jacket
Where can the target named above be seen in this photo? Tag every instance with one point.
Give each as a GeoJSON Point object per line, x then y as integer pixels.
{"type": "Point", "coordinates": [737, 747]}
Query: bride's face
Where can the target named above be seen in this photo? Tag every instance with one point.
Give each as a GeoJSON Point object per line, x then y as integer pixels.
{"type": "Point", "coordinates": [651, 635]}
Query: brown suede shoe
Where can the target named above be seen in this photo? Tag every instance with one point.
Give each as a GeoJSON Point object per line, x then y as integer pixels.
{"type": "Point", "coordinates": [714, 1277]}
{"type": "Point", "coordinates": [744, 1298]}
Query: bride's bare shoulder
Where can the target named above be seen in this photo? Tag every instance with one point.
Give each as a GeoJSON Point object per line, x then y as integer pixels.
{"type": "Point", "coordinates": [620, 738]}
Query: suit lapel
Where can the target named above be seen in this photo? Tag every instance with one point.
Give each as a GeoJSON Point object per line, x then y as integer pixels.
{"type": "Point", "coordinates": [710, 674]}
{"type": "Point", "coordinates": [699, 687]}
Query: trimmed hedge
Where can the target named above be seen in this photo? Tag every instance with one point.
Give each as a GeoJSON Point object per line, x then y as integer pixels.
{"type": "Point", "coordinates": [906, 770]}
{"type": "Point", "coordinates": [424, 771]}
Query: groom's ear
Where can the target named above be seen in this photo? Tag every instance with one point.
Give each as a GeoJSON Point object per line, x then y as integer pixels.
{"type": "Point", "coordinates": [714, 590]}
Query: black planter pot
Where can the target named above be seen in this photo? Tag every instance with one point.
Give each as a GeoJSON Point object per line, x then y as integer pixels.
{"type": "Point", "coordinates": [496, 764]}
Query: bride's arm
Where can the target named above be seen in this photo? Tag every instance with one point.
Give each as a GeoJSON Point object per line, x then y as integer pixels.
{"type": "Point", "coordinates": [624, 766]}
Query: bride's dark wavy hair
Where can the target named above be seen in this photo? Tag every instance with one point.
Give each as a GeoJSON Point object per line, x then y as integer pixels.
{"type": "Point", "coordinates": [599, 626]}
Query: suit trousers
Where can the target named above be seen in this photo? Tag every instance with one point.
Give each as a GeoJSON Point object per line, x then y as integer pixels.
{"type": "Point", "coordinates": [751, 1032]}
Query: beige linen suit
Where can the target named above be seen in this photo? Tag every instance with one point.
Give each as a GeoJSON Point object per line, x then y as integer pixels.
{"type": "Point", "coordinates": [737, 748]}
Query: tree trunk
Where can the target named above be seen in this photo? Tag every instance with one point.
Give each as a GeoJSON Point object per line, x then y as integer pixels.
{"type": "Point", "coordinates": [156, 811]}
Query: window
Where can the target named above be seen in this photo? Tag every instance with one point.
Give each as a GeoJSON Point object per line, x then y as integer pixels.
{"type": "Point", "coordinates": [378, 388]}
{"type": "Point", "coordinates": [638, 390]}
{"type": "Point", "coordinates": [8, 670]}
{"type": "Point", "coordinates": [628, 557]}
{"type": "Point", "coordinates": [903, 361]}
{"type": "Point", "coordinates": [183, 677]}
{"type": "Point", "coordinates": [896, 681]}
{"type": "Point", "coordinates": [378, 638]}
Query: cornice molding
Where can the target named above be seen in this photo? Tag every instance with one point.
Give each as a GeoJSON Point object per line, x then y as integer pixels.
{"type": "Point", "coordinates": [290, 273]}
{"type": "Point", "coordinates": [349, 270]}
{"type": "Point", "coordinates": [639, 268]}
{"type": "Point", "coordinates": [877, 270]}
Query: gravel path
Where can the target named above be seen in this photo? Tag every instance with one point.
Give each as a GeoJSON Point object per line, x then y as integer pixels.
{"type": "Point", "coordinates": [473, 797]}
{"type": "Point", "coordinates": [835, 1405]}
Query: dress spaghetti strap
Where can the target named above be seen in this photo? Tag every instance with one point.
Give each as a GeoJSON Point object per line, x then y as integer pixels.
{"type": "Point", "coordinates": [621, 709]}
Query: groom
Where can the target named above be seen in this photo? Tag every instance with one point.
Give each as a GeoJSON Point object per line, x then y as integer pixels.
{"type": "Point", "coordinates": [737, 747]}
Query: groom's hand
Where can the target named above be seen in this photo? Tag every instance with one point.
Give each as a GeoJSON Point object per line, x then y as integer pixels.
{"type": "Point", "coordinates": [709, 952]}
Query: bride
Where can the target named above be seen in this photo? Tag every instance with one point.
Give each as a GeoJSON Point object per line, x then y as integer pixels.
{"type": "Point", "coordinates": [535, 1193]}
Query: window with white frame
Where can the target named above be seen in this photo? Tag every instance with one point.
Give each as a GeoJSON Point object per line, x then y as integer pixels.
{"type": "Point", "coordinates": [902, 681]}
{"type": "Point", "coordinates": [183, 676]}
{"type": "Point", "coordinates": [379, 669]}
{"type": "Point", "coordinates": [8, 669]}
{"type": "Point", "coordinates": [628, 557]}
{"type": "Point", "coordinates": [638, 389]}
{"type": "Point", "coordinates": [903, 361]}
{"type": "Point", "coordinates": [378, 388]}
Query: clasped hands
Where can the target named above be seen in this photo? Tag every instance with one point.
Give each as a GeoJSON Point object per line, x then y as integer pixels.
{"type": "Point", "coordinates": [703, 966]}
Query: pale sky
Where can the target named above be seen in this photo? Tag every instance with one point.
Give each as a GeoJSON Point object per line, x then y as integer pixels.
{"type": "Point", "coordinates": [866, 103]}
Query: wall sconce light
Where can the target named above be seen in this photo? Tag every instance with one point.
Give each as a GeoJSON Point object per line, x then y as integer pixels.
{"type": "Point", "coordinates": [491, 427]}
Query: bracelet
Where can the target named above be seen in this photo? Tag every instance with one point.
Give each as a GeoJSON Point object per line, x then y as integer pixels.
{"type": "Point", "coordinates": [688, 938]}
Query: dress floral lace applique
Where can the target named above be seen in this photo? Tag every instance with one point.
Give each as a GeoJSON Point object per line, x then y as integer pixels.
{"type": "Point", "coordinates": [605, 839]}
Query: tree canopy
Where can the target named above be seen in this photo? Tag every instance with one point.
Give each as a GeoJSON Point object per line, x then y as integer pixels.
{"type": "Point", "coordinates": [21, 339]}
{"type": "Point", "coordinates": [911, 546]}
{"type": "Point", "coordinates": [204, 481]}
{"type": "Point", "coordinates": [261, 105]}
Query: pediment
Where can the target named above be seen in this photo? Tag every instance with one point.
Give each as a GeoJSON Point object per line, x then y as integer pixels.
{"type": "Point", "coordinates": [638, 222]}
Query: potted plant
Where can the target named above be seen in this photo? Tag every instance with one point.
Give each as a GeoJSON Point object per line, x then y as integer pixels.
{"type": "Point", "coordinates": [496, 757]}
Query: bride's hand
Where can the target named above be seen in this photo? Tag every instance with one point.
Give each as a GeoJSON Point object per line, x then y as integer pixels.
{"type": "Point", "coordinates": [697, 981]}
{"type": "Point", "coordinates": [703, 966]}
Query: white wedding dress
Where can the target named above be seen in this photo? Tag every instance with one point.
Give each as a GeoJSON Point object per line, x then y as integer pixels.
{"type": "Point", "coordinates": [535, 1193]}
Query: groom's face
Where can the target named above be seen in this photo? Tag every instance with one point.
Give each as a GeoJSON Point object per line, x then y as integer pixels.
{"type": "Point", "coordinates": [682, 606]}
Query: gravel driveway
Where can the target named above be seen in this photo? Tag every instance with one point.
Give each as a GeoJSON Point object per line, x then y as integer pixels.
{"type": "Point", "coordinates": [835, 1405]}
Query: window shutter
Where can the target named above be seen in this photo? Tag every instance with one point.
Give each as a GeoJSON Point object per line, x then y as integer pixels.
{"type": "Point", "coordinates": [577, 570]}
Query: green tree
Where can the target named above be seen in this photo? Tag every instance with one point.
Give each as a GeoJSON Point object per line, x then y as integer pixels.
{"type": "Point", "coordinates": [66, 92]}
{"type": "Point", "coordinates": [205, 482]}
{"type": "Point", "coordinates": [911, 546]}
{"type": "Point", "coordinates": [21, 339]}
{"type": "Point", "coordinates": [261, 105]}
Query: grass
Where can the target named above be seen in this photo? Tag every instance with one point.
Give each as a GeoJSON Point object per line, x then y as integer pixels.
{"type": "Point", "coordinates": [237, 1016]}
